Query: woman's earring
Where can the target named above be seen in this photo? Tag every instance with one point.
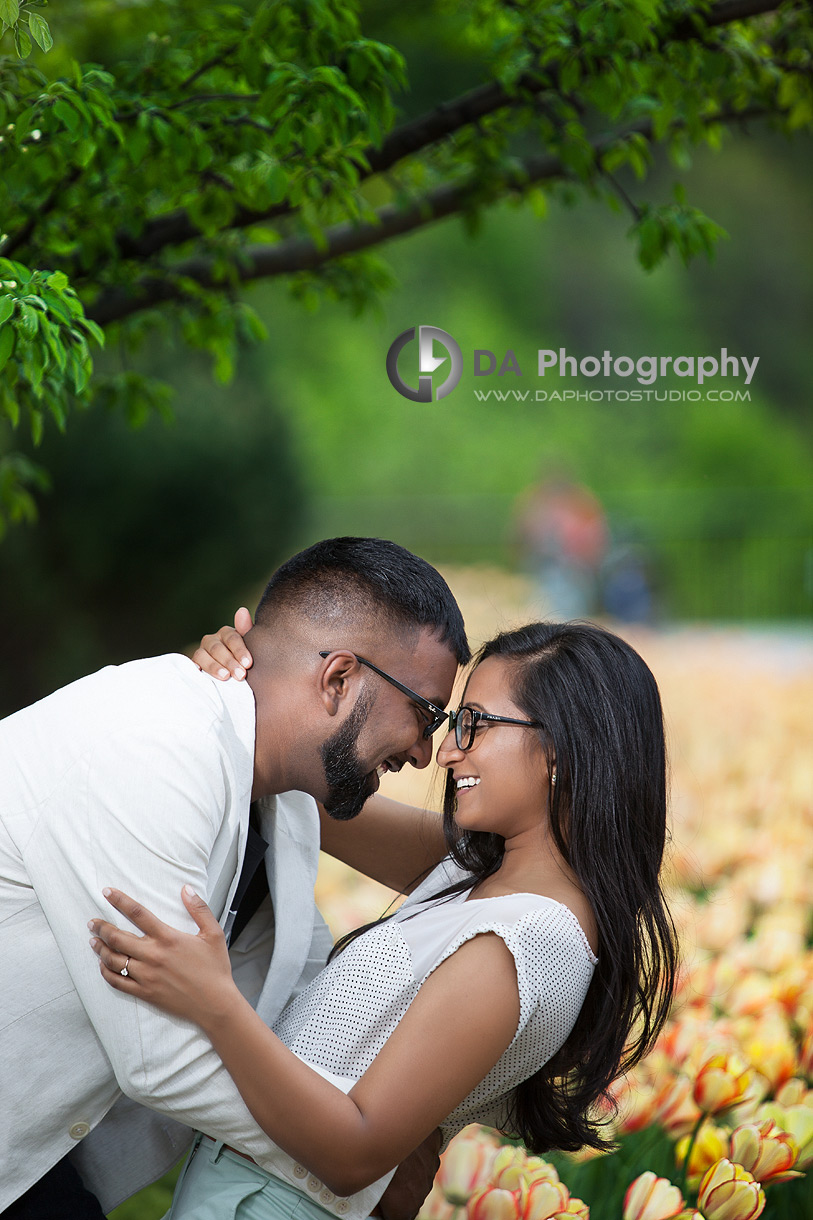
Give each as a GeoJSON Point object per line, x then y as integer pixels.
{"type": "Point", "coordinates": [553, 777]}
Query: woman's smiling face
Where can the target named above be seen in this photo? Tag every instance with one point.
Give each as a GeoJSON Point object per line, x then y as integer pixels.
{"type": "Point", "coordinates": [502, 781]}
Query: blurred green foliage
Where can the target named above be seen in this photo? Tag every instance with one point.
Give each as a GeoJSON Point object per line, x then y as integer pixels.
{"type": "Point", "coordinates": [311, 439]}
{"type": "Point", "coordinates": [147, 534]}
{"type": "Point", "coordinates": [212, 146]}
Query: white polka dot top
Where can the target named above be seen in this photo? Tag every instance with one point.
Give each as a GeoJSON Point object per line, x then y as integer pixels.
{"type": "Point", "coordinates": [340, 1022]}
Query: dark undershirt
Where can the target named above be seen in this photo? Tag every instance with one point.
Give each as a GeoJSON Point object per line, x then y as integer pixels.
{"type": "Point", "coordinates": [253, 884]}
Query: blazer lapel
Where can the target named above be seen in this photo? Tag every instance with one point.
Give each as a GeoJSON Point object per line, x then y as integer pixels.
{"type": "Point", "coordinates": [290, 823]}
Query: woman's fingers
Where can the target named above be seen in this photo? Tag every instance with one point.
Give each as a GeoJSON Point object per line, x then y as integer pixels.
{"type": "Point", "coordinates": [119, 981]}
{"type": "Point", "coordinates": [200, 912]}
{"type": "Point", "coordinates": [115, 961]}
{"type": "Point", "coordinates": [137, 914]}
{"type": "Point", "coordinates": [243, 623]}
{"type": "Point", "coordinates": [214, 657]}
{"type": "Point", "coordinates": [116, 938]}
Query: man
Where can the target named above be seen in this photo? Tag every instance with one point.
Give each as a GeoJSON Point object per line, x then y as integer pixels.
{"type": "Point", "coordinates": [141, 777]}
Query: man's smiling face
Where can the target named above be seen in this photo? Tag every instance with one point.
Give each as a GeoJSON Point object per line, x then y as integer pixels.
{"type": "Point", "coordinates": [385, 728]}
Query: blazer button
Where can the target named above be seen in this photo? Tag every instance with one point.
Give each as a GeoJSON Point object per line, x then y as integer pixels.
{"type": "Point", "coordinates": [326, 1196]}
{"type": "Point", "coordinates": [314, 1183]}
{"type": "Point", "coordinates": [342, 1206]}
{"type": "Point", "coordinates": [79, 1130]}
{"type": "Point", "coordinates": [300, 1171]}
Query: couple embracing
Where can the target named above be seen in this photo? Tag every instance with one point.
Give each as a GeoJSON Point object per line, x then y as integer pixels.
{"type": "Point", "coordinates": [181, 811]}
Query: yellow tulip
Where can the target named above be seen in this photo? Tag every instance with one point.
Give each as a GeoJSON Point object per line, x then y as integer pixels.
{"type": "Point", "coordinates": [542, 1200]}
{"type": "Point", "coordinates": [509, 1168]}
{"type": "Point", "coordinates": [729, 1192]}
{"type": "Point", "coordinates": [465, 1165]}
{"type": "Point", "coordinates": [711, 1144]}
{"type": "Point", "coordinates": [765, 1150]}
{"type": "Point", "coordinates": [436, 1206]}
{"type": "Point", "coordinates": [652, 1198]}
{"type": "Point", "coordinates": [491, 1203]}
{"type": "Point", "coordinates": [792, 1093]}
{"type": "Point", "coordinates": [770, 1049]}
{"type": "Point", "coordinates": [722, 1081]}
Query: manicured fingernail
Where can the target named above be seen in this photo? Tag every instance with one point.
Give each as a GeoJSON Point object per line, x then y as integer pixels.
{"type": "Point", "coordinates": [190, 893]}
{"type": "Point", "coordinates": [92, 925]}
{"type": "Point", "coordinates": [246, 661]}
{"type": "Point", "coordinates": [107, 892]}
{"type": "Point", "coordinates": [239, 673]}
{"type": "Point", "coordinates": [222, 673]}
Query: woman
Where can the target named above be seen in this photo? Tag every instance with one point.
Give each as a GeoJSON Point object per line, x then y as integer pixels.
{"type": "Point", "coordinates": [531, 968]}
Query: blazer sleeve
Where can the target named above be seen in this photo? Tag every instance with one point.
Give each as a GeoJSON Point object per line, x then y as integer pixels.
{"type": "Point", "coordinates": [141, 812]}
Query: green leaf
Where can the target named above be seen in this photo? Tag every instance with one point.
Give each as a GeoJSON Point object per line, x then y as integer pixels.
{"type": "Point", "coordinates": [9, 11]}
{"type": "Point", "coordinates": [6, 344]}
{"type": "Point", "coordinates": [57, 280]}
{"type": "Point", "coordinates": [40, 31]}
{"type": "Point", "coordinates": [29, 319]}
{"type": "Point", "coordinates": [13, 411]}
{"type": "Point", "coordinates": [22, 42]}
{"type": "Point", "coordinates": [6, 308]}
{"type": "Point", "coordinates": [66, 113]}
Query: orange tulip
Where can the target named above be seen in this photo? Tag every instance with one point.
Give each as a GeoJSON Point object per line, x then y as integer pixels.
{"type": "Point", "coordinates": [465, 1165]}
{"type": "Point", "coordinates": [674, 1108]}
{"type": "Point", "coordinates": [729, 1192]}
{"type": "Point", "coordinates": [766, 1151]}
{"type": "Point", "coordinates": [797, 1120]}
{"type": "Point", "coordinates": [722, 1081]}
{"type": "Point", "coordinates": [491, 1203]}
{"type": "Point", "coordinates": [652, 1198]}
{"type": "Point", "coordinates": [806, 1054]}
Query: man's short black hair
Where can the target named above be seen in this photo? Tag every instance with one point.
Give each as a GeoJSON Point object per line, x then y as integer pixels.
{"type": "Point", "coordinates": [366, 576]}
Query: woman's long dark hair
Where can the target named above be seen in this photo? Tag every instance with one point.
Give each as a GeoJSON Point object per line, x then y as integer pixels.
{"type": "Point", "coordinates": [603, 730]}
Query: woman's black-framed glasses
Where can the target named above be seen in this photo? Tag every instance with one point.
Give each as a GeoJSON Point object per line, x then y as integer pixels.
{"type": "Point", "coordinates": [465, 720]}
{"type": "Point", "coordinates": [438, 714]}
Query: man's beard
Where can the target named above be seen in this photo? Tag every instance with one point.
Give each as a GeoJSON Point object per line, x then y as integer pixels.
{"type": "Point", "coordinates": [348, 785]}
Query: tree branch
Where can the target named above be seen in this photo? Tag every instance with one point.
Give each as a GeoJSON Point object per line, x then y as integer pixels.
{"type": "Point", "coordinates": [302, 254]}
{"type": "Point", "coordinates": [418, 134]}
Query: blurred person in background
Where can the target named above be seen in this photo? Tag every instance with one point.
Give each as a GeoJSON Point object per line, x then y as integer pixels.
{"type": "Point", "coordinates": [562, 534]}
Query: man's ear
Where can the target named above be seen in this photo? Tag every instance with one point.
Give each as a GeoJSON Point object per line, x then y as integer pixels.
{"type": "Point", "coordinates": [333, 679]}
{"type": "Point", "coordinates": [242, 621]}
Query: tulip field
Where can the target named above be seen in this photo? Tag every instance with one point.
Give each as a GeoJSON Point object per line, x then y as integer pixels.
{"type": "Point", "coordinates": [717, 1123]}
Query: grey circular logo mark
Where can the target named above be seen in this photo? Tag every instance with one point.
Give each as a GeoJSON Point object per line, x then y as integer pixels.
{"type": "Point", "coordinates": [427, 363]}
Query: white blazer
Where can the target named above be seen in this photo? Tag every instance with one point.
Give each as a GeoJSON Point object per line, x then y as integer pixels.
{"type": "Point", "coordinates": [139, 777]}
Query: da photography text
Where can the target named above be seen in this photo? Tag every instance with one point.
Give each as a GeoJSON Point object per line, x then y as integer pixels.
{"type": "Point", "coordinates": [439, 362]}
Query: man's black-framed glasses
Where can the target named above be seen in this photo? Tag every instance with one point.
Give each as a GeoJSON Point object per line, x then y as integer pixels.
{"type": "Point", "coordinates": [438, 714]}
{"type": "Point", "coordinates": [465, 720]}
